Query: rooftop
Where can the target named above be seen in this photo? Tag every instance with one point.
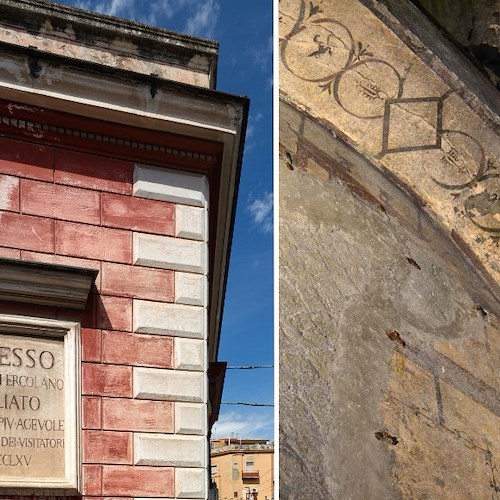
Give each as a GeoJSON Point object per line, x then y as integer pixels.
{"type": "Point", "coordinates": [109, 41]}
{"type": "Point", "coordinates": [237, 445]}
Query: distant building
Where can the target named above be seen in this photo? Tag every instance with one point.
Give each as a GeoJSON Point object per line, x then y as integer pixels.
{"type": "Point", "coordinates": [243, 468]}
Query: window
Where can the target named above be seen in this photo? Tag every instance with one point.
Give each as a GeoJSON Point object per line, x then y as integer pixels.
{"type": "Point", "coordinates": [249, 464]}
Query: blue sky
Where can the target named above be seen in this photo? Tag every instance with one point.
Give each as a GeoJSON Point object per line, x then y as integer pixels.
{"type": "Point", "coordinates": [244, 31]}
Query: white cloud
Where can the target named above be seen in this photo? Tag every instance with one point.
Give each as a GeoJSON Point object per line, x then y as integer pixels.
{"type": "Point", "coordinates": [159, 8]}
{"type": "Point", "coordinates": [114, 7]}
{"type": "Point", "coordinates": [203, 22]}
{"type": "Point", "coordinates": [244, 426]}
{"type": "Point", "coordinates": [251, 130]}
{"type": "Point", "coordinates": [139, 10]}
{"type": "Point", "coordinates": [83, 4]}
{"type": "Point", "coordinates": [262, 57]}
{"type": "Point", "coordinates": [261, 210]}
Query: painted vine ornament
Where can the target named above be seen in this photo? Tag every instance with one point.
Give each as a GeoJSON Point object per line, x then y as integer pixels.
{"type": "Point", "coordinates": [322, 51]}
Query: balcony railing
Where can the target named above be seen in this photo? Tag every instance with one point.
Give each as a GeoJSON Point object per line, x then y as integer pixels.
{"type": "Point", "coordinates": [250, 474]}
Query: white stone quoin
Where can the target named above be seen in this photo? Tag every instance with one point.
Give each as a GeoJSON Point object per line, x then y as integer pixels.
{"type": "Point", "coordinates": [190, 418]}
{"type": "Point", "coordinates": [186, 254]}
{"type": "Point", "coordinates": [170, 253]}
{"type": "Point", "coordinates": [190, 222]}
{"type": "Point", "coordinates": [168, 449]}
{"type": "Point", "coordinates": [169, 319]}
{"type": "Point", "coordinates": [190, 289]}
{"type": "Point", "coordinates": [169, 385]}
{"type": "Point", "coordinates": [189, 354]}
{"type": "Point", "coordinates": [190, 483]}
{"type": "Point", "coordinates": [170, 185]}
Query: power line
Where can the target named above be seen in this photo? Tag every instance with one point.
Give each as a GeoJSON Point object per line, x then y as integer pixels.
{"type": "Point", "coordinates": [247, 404]}
{"type": "Point", "coordinates": [249, 367]}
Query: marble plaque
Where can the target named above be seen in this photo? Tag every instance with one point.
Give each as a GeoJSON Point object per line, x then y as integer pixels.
{"type": "Point", "coordinates": [38, 431]}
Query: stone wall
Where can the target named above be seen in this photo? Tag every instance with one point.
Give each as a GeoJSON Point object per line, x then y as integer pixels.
{"type": "Point", "coordinates": [475, 25]}
{"type": "Point", "coordinates": [144, 403]}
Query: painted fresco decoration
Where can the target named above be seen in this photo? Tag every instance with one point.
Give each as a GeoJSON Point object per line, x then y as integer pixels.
{"type": "Point", "coordinates": [391, 116]}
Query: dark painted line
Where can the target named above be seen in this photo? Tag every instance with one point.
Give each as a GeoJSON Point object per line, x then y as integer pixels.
{"type": "Point", "coordinates": [413, 148]}
{"type": "Point", "coordinates": [439, 400]}
{"type": "Point", "coordinates": [451, 373]}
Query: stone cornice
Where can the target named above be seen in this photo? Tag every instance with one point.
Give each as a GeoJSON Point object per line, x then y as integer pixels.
{"type": "Point", "coordinates": [45, 284]}
{"type": "Point", "coordinates": [89, 36]}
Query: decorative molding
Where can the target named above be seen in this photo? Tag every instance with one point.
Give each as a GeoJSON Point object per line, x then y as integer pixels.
{"type": "Point", "coordinates": [38, 128]}
{"type": "Point", "coordinates": [45, 284]}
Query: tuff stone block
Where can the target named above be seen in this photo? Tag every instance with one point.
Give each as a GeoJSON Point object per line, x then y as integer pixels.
{"type": "Point", "coordinates": [92, 479]}
{"type": "Point", "coordinates": [190, 483]}
{"type": "Point", "coordinates": [91, 412]}
{"type": "Point", "coordinates": [106, 380]}
{"type": "Point", "coordinates": [137, 415]}
{"type": "Point", "coordinates": [169, 319]}
{"type": "Point", "coordinates": [93, 242]}
{"type": "Point", "coordinates": [169, 253]}
{"type": "Point", "coordinates": [26, 159]}
{"type": "Point", "coordinates": [9, 193]}
{"type": "Point", "coordinates": [105, 447]}
{"type": "Point", "coordinates": [190, 418]}
{"type": "Point", "coordinates": [170, 385]}
{"type": "Point", "coordinates": [137, 481]}
{"type": "Point", "coordinates": [170, 185]}
{"type": "Point", "coordinates": [10, 253]}
{"type": "Point", "coordinates": [161, 449]}
{"type": "Point", "coordinates": [138, 214]}
{"type": "Point", "coordinates": [91, 344]}
{"type": "Point", "coordinates": [137, 282]}
{"type": "Point", "coordinates": [26, 232]}
{"type": "Point", "coordinates": [189, 354]}
{"type": "Point", "coordinates": [190, 289]}
{"type": "Point", "coordinates": [92, 172]}
{"type": "Point", "coordinates": [113, 313]}
{"type": "Point", "coordinates": [60, 202]}
{"type": "Point", "coordinates": [131, 349]}
{"type": "Point", "coordinates": [190, 223]}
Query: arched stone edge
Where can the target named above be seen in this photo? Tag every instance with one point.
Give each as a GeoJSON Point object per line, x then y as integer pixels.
{"type": "Point", "coordinates": [315, 147]}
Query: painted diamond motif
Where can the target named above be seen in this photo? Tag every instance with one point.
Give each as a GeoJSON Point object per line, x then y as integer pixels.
{"type": "Point", "coordinates": [412, 124]}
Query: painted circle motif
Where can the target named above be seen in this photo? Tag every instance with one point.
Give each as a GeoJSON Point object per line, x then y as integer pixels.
{"type": "Point", "coordinates": [461, 159]}
{"type": "Point", "coordinates": [363, 88]}
{"type": "Point", "coordinates": [483, 209]}
{"type": "Point", "coordinates": [318, 50]}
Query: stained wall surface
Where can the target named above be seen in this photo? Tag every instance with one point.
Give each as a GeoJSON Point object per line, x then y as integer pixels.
{"type": "Point", "coordinates": [389, 351]}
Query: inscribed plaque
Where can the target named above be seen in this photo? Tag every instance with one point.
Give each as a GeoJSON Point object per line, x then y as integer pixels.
{"type": "Point", "coordinates": [31, 407]}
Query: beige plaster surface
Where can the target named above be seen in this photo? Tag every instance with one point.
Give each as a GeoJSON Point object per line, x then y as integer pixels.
{"type": "Point", "coordinates": [366, 412]}
{"type": "Point", "coordinates": [343, 66]}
